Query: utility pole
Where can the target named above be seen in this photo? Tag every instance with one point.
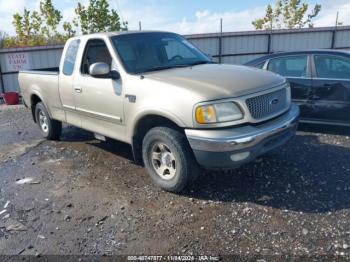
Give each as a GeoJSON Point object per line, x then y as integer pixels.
{"type": "Point", "coordinates": [336, 19]}
{"type": "Point", "coordinates": [334, 33]}
{"type": "Point", "coordinates": [221, 25]}
{"type": "Point", "coordinates": [220, 42]}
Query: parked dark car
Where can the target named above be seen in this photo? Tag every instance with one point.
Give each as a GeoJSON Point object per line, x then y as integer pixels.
{"type": "Point", "coordinates": [320, 82]}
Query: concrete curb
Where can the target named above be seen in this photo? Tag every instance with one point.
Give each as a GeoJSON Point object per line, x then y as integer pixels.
{"type": "Point", "coordinates": [12, 108]}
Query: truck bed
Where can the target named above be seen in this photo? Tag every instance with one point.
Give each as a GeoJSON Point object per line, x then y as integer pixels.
{"type": "Point", "coordinates": [40, 84]}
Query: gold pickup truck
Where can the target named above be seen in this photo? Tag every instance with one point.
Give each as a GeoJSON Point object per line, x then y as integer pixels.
{"type": "Point", "coordinates": [156, 91]}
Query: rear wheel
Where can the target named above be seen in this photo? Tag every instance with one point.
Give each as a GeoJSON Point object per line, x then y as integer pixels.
{"type": "Point", "coordinates": [168, 159]}
{"type": "Point", "coordinates": [51, 129]}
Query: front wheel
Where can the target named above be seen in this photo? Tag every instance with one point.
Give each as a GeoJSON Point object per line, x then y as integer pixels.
{"type": "Point", "coordinates": [50, 128]}
{"type": "Point", "coordinates": [168, 159]}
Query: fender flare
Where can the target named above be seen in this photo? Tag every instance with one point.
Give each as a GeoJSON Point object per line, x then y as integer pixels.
{"type": "Point", "coordinates": [156, 112]}
{"type": "Point", "coordinates": [36, 93]}
{"type": "Point", "coordinates": [136, 149]}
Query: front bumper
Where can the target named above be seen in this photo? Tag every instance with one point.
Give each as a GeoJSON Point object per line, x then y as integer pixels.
{"type": "Point", "coordinates": [232, 147]}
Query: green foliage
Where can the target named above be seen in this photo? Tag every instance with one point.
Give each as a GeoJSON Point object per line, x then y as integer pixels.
{"type": "Point", "coordinates": [36, 27]}
{"type": "Point", "coordinates": [287, 14]}
{"type": "Point", "coordinates": [3, 37]}
{"type": "Point", "coordinates": [98, 17]}
{"type": "Point", "coordinates": [51, 18]}
{"type": "Point", "coordinates": [40, 27]}
{"type": "Point", "coordinates": [26, 26]}
{"type": "Point", "coordinates": [36, 22]}
{"type": "Point", "coordinates": [68, 28]}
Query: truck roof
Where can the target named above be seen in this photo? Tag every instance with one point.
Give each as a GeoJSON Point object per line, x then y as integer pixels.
{"type": "Point", "coordinates": [110, 34]}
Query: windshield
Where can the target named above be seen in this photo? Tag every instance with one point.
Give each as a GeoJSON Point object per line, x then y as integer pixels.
{"type": "Point", "coordinates": [145, 52]}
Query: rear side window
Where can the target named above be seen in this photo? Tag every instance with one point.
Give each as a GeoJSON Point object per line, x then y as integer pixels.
{"type": "Point", "coordinates": [332, 67]}
{"type": "Point", "coordinates": [71, 55]}
{"type": "Point", "coordinates": [290, 66]}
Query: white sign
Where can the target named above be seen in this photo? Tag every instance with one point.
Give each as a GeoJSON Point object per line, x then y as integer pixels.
{"type": "Point", "coordinates": [17, 61]}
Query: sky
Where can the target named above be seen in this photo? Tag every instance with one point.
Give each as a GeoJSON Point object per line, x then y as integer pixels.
{"type": "Point", "coordinates": [182, 16]}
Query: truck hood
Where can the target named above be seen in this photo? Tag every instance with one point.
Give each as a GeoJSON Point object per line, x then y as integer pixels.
{"type": "Point", "coordinates": [215, 81]}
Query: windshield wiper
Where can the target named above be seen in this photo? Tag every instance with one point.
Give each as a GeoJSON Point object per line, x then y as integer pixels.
{"type": "Point", "coordinates": [202, 63]}
{"type": "Point", "coordinates": [157, 68]}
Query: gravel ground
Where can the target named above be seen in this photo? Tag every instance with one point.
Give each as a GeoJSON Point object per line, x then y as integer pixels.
{"type": "Point", "coordinates": [86, 197]}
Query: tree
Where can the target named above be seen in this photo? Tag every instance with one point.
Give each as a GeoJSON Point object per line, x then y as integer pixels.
{"type": "Point", "coordinates": [68, 28]}
{"type": "Point", "coordinates": [51, 18]}
{"type": "Point", "coordinates": [41, 27]}
{"type": "Point", "coordinates": [23, 26]}
{"type": "Point", "coordinates": [287, 14]}
{"type": "Point", "coordinates": [27, 28]}
{"type": "Point", "coordinates": [37, 27]}
{"type": "Point", "coordinates": [3, 37]}
{"type": "Point", "coordinates": [98, 17]}
{"type": "Point", "coordinates": [36, 22]}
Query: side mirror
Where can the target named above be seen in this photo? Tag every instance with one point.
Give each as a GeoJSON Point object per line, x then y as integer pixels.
{"type": "Point", "coordinates": [99, 70]}
{"type": "Point", "coordinates": [102, 70]}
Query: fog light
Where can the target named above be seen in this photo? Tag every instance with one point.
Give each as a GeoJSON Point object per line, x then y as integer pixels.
{"type": "Point", "coordinates": [240, 156]}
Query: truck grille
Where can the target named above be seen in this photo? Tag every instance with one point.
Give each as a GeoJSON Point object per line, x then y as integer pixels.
{"type": "Point", "coordinates": [263, 106]}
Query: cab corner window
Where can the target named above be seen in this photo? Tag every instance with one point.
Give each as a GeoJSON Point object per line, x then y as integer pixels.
{"type": "Point", "coordinates": [291, 66]}
{"type": "Point", "coordinates": [96, 51]}
{"type": "Point", "coordinates": [332, 67]}
{"type": "Point", "coordinates": [71, 55]}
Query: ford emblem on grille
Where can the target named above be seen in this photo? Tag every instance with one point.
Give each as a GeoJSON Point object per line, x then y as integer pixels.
{"type": "Point", "coordinates": [274, 101]}
{"type": "Point", "coordinates": [266, 105]}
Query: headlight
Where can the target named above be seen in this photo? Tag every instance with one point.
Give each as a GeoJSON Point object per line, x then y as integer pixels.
{"type": "Point", "coordinates": [218, 113]}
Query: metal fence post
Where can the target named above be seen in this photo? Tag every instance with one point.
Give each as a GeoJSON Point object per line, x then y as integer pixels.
{"type": "Point", "coordinates": [269, 36]}
{"type": "Point", "coordinates": [2, 82]}
{"type": "Point", "coordinates": [334, 32]}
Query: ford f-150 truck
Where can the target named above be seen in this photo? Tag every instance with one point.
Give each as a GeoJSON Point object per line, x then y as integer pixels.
{"type": "Point", "coordinates": [156, 91]}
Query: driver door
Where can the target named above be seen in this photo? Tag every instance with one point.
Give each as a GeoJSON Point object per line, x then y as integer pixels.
{"type": "Point", "coordinates": [99, 100]}
{"type": "Point", "coordinates": [331, 88]}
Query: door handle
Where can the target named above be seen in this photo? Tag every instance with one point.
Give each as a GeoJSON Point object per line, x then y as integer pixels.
{"type": "Point", "coordinates": [78, 89]}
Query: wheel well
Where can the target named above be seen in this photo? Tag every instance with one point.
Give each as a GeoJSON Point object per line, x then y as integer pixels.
{"type": "Point", "coordinates": [143, 126]}
{"type": "Point", "coordinates": [33, 101]}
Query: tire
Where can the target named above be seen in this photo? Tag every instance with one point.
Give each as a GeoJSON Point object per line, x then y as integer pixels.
{"type": "Point", "coordinates": [168, 159]}
{"type": "Point", "coordinates": [50, 129]}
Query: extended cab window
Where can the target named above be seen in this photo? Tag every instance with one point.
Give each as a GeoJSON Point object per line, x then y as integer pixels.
{"type": "Point", "coordinates": [71, 55]}
{"type": "Point", "coordinates": [332, 67]}
{"type": "Point", "coordinates": [96, 51]}
{"type": "Point", "coordinates": [290, 66]}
